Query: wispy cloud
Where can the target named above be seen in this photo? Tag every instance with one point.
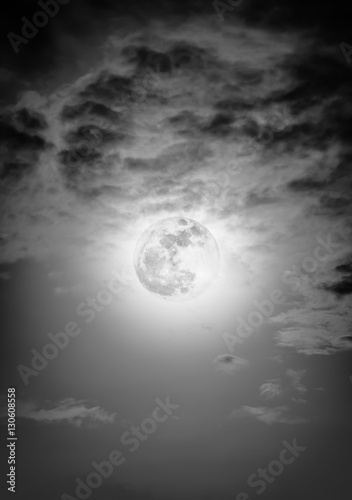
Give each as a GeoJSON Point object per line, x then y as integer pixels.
{"type": "Point", "coordinates": [296, 377]}
{"type": "Point", "coordinates": [280, 415]}
{"type": "Point", "coordinates": [71, 411]}
{"type": "Point", "coordinates": [271, 389]}
{"type": "Point", "coordinates": [291, 386]}
{"type": "Point", "coordinates": [214, 151]}
{"type": "Point", "coordinates": [321, 325]}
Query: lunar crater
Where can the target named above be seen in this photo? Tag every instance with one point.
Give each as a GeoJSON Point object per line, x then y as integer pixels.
{"type": "Point", "coordinates": [176, 258]}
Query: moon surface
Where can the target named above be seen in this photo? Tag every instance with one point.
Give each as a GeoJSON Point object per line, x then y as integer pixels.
{"type": "Point", "coordinates": [176, 258]}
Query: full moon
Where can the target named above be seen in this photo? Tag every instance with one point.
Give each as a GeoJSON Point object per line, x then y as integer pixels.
{"type": "Point", "coordinates": [176, 258]}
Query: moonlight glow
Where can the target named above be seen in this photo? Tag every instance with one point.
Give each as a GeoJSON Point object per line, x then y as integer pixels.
{"type": "Point", "coordinates": [176, 258]}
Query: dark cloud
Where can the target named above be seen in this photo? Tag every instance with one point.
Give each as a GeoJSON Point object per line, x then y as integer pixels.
{"type": "Point", "coordinates": [89, 109]}
{"type": "Point", "coordinates": [347, 338]}
{"type": "Point", "coordinates": [219, 125]}
{"type": "Point", "coordinates": [257, 199]}
{"type": "Point", "coordinates": [140, 164]}
{"type": "Point", "coordinates": [109, 88]}
{"type": "Point", "coordinates": [335, 205]}
{"type": "Point", "coordinates": [93, 136]}
{"type": "Point", "coordinates": [16, 139]}
{"type": "Point", "coordinates": [342, 171]}
{"type": "Point", "coordinates": [30, 119]}
{"type": "Point", "coordinates": [245, 75]}
{"type": "Point", "coordinates": [77, 21]}
{"type": "Point", "coordinates": [181, 57]}
{"type": "Point", "coordinates": [91, 148]}
{"type": "Point", "coordinates": [328, 21]}
{"type": "Point", "coordinates": [185, 123]}
{"type": "Point", "coordinates": [121, 92]}
{"type": "Point", "coordinates": [70, 157]}
{"type": "Point", "coordinates": [336, 180]}
{"type": "Point", "coordinates": [249, 127]}
{"type": "Point", "coordinates": [337, 114]}
{"type": "Point", "coordinates": [345, 268]}
{"type": "Point", "coordinates": [233, 105]}
{"type": "Point", "coordinates": [15, 170]}
{"type": "Point", "coordinates": [316, 75]}
{"type": "Point", "coordinates": [178, 159]}
{"type": "Point", "coordinates": [144, 57]}
{"type": "Point", "coordinates": [20, 150]}
{"type": "Point", "coordinates": [188, 57]}
{"type": "Point", "coordinates": [342, 286]}
{"type": "Point", "coordinates": [307, 184]}
{"type": "Point", "coordinates": [308, 135]}
{"type": "Point", "coordinates": [79, 164]}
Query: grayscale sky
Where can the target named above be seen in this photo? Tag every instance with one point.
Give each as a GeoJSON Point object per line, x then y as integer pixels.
{"type": "Point", "coordinates": [239, 117]}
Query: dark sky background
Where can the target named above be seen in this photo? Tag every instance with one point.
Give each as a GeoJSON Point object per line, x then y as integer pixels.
{"type": "Point", "coordinates": [113, 116]}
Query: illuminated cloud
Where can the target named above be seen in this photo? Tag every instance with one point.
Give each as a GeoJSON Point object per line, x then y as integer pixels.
{"type": "Point", "coordinates": [192, 121]}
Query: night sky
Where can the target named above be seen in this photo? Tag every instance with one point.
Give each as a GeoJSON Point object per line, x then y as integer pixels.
{"type": "Point", "coordinates": [235, 114]}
